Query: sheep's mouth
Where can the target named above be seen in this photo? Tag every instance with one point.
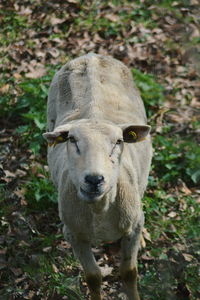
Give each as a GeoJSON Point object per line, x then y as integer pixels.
{"type": "Point", "coordinates": [91, 196]}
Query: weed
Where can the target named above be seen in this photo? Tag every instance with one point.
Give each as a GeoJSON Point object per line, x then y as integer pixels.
{"type": "Point", "coordinates": [40, 192]}
{"type": "Point", "coordinates": [30, 112]}
{"type": "Point", "coordinates": [174, 159]}
{"type": "Point", "coordinates": [151, 91]}
{"type": "Point", "coordinates": [12, 26]}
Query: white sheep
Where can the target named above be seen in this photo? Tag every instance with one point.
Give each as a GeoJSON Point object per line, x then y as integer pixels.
{"type": "Point", "coordinates": [99, 157]}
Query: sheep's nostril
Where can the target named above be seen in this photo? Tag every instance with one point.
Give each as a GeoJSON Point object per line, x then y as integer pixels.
{"type": "Point", "coordinates": [94, 179]}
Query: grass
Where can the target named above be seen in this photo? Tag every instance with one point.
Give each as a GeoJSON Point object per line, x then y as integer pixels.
{"type": "Point", "coordinates": [31, 107]}
{"type": "Point", "coordinates": [176, 159]}
{"type": "Point", "coordinates": [173, 223]}
{"type": "Point", "coordinates": [54, 281]}
{"type": "Point", "coordinates": [151, 91]}
{"type": "Point", "coordinates": [39, 190]}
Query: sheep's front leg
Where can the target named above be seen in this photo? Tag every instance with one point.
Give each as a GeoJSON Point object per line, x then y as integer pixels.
{"type": "Point", "coordinates": [92, 272]}
{"type": "Point", "coordinates": [128, 268]}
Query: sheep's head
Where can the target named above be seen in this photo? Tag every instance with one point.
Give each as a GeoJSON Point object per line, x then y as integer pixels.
{"type": "Point", "coordinates": [93, 153]}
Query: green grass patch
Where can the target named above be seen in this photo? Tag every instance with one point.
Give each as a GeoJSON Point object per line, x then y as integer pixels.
{"type": "Point", "coordinates": [174, 221]}
{"type": "Point", "coordinates": [28, 111]}
{"type": "Point", "coordinates": [176, 159]}
{"type": "Point", "coordinates": [55, 273]}
{"type": "Point", "coordinates": [151, 91]}
{"type": "Point", "coordinates": [12, 25]}
{"type": "Point", "coordinates": [40, 192]}
{"type": "Point", "coordinates": [31, 106]}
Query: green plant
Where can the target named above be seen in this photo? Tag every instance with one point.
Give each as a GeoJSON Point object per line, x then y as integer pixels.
{"type": "Point", "coordinates": [151, 91]}
{"type": "Point", "coordinates": [31, 106]}
{"type": "Point", "coordinates": [174, 159]}
{"type": "Point", "coordinates": [12, 26]}
{"type": "Point", "coordinates": [39, 190]}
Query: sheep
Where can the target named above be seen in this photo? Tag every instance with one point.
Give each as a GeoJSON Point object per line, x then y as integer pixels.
{"type": "Point", "coordinates": [99, 158]}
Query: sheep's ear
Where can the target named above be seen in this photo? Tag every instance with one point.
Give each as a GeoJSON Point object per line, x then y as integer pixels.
{"type": "Point", "coordinates": [56, 137]}
{"type": "Point", "coordinates": [135, 133]}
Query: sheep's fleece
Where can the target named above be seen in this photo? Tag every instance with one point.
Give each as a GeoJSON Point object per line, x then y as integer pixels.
{"type": "Point", "coordinates": [99, 150]}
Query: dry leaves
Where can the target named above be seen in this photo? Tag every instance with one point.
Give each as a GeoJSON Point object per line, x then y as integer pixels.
{"type": "Point", "coordinates": [36, 73]}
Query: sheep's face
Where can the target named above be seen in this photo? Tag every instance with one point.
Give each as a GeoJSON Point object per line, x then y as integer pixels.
{"type": "Point", "coordinates": [93, 154]}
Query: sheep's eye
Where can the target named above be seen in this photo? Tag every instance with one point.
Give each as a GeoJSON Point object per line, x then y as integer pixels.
{"type": "Point", "coordinates": [72, 139]}
{"type": "Point", "coordinates": [119, 142]}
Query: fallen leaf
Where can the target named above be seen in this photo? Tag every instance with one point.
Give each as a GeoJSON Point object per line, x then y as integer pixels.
{"type": "Point", "coordinates": [55, 21]}
{"type": "Point", "coordinates": [55, 269]}
{"type": "Point", "coordinates": [9, 174]}
{"type": "Point", "coordinates": [172, 214]}
{"type": "Point", "coordinates": [30, 295]}
{"type": "Point", "coordinates": [146, 234]}
{"type": "Point", "coordinates": [25, 11]}
{"type": "Point", "coordinates": [183, 187]}
{"type": "Point", "coordinates": [63, 246]}
{"type": "Point", "coordinates": [112, 17]}
{"type": "Point", "coordinates": [20, 279]}
{"type": "Point", "coordinates": [17, 75]}
{"type": "Point", "coordinates": [73, 1]}
{"type": "Point", "coordinates": [188, 257]}
{"type": "Point", "coordinates": [20, 173]}
{"type": "Point", "coordinates": [20, 192]}
{"type": "Point", "coordinates": [23, 244]}
{"type": "Point", "coordinates": [147, 257]}
{"type": "Point", "coordinates": [122, 296]}
{"type": "Point", "coordinates": [179, 246]}
{"type": "Point", "coordinates": [198, 200]}
{"type": "Point", "coordinates": [106, 270]}
{"type": "Point", "coordinates": [37, 73]}
{"type": "Point", "coordinates": [17, 271]}
{"type": "Point", "coordinates": [47, 249]}
{"type": "Point", "coordinates": [142, 242]}
{"type": "Point", "coordinates": [54, 52]}
{"type": "Point", "coordinates": [4, 89]}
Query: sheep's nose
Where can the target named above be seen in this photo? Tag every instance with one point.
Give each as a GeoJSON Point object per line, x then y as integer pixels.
{"type": "Point", "coordinates": [94, 179]}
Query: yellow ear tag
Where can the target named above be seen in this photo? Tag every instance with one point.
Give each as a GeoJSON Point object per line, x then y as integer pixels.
{"type": "Point", "coordinates": [58, 140]}
{"type": "Point", "coordinates": [134, 135]}
{"type": "Point", "coordinates": [142, 139]}
{"type": "Point", "coordinates": [50, 144]}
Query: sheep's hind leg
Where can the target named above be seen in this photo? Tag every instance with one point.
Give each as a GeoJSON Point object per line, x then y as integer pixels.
{"type": "Point", "coordinates": [128, 268]}
{"type": "Point", "coordinates": [92, 272]}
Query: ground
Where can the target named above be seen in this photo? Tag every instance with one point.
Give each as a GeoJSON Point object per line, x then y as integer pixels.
{"type": "Point", "coordinates": [160, 43]}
